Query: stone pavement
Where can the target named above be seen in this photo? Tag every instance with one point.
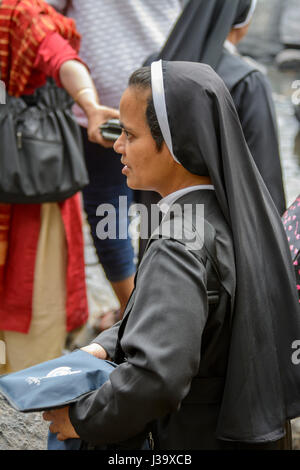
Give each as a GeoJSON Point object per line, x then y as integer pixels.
{"type": "Point", "coordinates": [20, 431]}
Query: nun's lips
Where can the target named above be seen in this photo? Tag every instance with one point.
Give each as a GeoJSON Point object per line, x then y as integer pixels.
{"type": "Point", "coordinates": [125, 169]}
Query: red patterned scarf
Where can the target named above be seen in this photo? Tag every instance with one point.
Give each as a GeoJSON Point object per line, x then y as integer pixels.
{"type": "Point", "coordinates": [24, 24]}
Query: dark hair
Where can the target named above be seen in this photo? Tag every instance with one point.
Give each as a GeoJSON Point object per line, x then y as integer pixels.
{"type": "Point", "coordinates": [141, 78]}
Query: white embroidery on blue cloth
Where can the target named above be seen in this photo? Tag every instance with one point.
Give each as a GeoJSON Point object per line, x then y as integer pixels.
{"type": "Point", "coordinates": [59, 371]}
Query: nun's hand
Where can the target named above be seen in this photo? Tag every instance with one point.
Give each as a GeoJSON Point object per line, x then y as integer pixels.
{"type": "Point", "coordinates": [60, 423]}
{"type": "Point", "coordinates": [96, 350]}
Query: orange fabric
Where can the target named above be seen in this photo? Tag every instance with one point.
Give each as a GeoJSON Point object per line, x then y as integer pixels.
{"type": "Point", "coordinates": [24, 24]}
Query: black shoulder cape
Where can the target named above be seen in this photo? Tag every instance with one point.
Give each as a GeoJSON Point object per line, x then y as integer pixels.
{"type": "Point", "coordinates": [262, 385]}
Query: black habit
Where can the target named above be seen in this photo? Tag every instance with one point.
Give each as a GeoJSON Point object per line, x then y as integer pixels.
{"type": "Point", "coordinates": [205, 343]}
{"type": "Point", "coordinates": [199, 36]}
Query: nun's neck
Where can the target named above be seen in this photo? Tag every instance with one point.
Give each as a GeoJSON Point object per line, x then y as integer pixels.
{"type": "Point", "coordinates": [190, 180]}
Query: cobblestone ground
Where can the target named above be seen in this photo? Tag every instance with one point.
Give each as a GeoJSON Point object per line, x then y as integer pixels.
{"type": "Point", "coordinates": [19, 431]}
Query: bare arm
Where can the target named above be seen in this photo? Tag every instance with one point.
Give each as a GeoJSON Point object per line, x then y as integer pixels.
{"type": "Point", "coordinates": [76, 79]}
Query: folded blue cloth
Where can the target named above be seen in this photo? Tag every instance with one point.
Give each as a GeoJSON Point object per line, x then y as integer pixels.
{"type": "Point", "coordinates": [55, 383]}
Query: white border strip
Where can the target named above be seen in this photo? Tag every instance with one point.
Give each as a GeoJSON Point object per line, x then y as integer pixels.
{"type": "Point", "coordinates": [249, 16]}
{"type": "Point", "coordinates": [159, 100]}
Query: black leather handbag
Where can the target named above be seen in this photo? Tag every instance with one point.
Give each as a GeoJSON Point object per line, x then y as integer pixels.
{"type": "Point", "coordinates": [41, 154]}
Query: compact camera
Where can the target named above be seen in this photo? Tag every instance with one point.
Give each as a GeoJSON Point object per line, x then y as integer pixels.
{"type": "Point", "coordinates": [111, 129]}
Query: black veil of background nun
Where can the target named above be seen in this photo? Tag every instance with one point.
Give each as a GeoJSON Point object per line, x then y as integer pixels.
{"type": "Point", "coordinates": [201, 128]}
{"type": "Point", "coordinates": [199, 36]}
{"type": "Point", "coordinates": [200, 32]}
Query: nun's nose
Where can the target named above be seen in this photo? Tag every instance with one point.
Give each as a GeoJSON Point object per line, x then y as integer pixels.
{"type": "Point", "coordinates": [119, 146]}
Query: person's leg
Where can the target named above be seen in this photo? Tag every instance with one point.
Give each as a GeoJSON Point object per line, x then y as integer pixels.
{"type": "Point", "coordinates": [107, 185]}
{"type": "Point", "coordinates": [47, 334]}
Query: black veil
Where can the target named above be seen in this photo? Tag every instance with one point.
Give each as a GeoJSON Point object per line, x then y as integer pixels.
{"type": "Point", "coordinates": [262, 386]}
{"type": "Point", "coordinates": [199, 34]}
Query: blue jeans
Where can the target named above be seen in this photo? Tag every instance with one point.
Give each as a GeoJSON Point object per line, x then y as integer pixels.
{"type": "Point", "coordinates": [107, 183]}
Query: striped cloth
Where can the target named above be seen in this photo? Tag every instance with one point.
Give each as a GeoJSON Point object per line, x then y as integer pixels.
{"type": "Point", "coordinates": [24, 24]}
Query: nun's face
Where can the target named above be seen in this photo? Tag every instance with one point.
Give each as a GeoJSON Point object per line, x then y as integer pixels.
{"type": "Point", "coordinates": [144, 166]}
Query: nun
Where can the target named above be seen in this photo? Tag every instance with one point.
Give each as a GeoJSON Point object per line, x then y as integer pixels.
{"type": "Point", "coordinates": [205, 344]}
{"type": "Point", "coordinates": [208, 31]}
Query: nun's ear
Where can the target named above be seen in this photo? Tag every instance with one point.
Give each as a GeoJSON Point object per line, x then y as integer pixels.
{"type": "Point", "coordinates": [237, 34]}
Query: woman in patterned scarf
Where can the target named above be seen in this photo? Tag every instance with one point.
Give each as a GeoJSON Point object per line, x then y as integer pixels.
{"type": "Point", "coordinates": [42, 280]}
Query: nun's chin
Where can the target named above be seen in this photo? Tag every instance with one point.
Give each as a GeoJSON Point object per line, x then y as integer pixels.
{"type": "Point", "coordinates": [137, 185]}
{"type": "Point", "coordinates": [133, 185]}
{"type": "Point", "coordinates": [130, 183]}
{"type": "Point", "coordinates": [129, 180]}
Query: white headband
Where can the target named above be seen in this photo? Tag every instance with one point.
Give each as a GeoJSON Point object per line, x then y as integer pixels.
{"type": "Point", "coordinates": [249, 16]}
{"type": "Point", "coordinates": [159, 100]}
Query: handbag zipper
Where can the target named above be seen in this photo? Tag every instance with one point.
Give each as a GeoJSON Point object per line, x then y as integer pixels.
{"type": "Point", "coordinates": [20, 140]}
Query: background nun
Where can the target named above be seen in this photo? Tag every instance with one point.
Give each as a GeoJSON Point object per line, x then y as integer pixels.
{"type": "Point", "coordinates": [204, 347]}
{"type": "Point", "coordinates": [208, 31]}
